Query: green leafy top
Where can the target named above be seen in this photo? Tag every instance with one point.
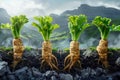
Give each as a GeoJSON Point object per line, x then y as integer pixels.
{"type": "Point", "coordinates": [17, 23]}
{"type": "Point", "coordinates": [77, 24]}
{"type": "Point", "coordinates": [104, 26]}
{"type": "Point", "coordinates": [45, 26]}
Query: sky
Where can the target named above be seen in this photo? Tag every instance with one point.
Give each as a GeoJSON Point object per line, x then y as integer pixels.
{"type": "Point", "coordinates": [45, 7]}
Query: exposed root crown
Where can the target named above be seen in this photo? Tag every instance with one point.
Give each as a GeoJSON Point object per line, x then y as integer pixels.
{"type": "Point", "coordinates": [73, 57]}
{"type": "Point", "coordinates": [18, 49]}
{"type": "Point", "coordinates": [47, 55]}
{"type": "Point", "coordinates": [102, 49]}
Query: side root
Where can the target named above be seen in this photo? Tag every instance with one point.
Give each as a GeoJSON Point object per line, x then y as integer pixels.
{"type": "Point", "coordinates": [50, 60]}
{"type": "Point", "coordinates": [70, 61]}
{"type": "Point", "coordinates": [73, 57]}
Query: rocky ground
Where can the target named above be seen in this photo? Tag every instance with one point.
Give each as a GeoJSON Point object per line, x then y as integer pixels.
{"type": "Point", "coordinates": [29, 67]}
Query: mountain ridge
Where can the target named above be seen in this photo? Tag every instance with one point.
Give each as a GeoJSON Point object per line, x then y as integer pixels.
{"type": "Point", "coordinates": [4, 16]}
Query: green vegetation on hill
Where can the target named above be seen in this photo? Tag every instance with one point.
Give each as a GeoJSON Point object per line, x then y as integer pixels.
{"type": "Point", "coordinates": [109, 49]}
{"type": "Point", "coordinates": [56, 36]}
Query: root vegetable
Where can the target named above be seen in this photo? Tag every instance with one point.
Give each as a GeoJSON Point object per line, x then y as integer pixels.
{"type": "Point", "coordinates": [105, 27]}
{"type": "Point", "coordinates": [46, 28]}
{"type": "Point", "coordinates": [47, 55]}
{"type": "Point", "coordinates": [76, 25]}
{"type": "Point", "coordinates": [102, 49]}
{"type": "Point", "coordinates": [17, 22]}
{"type": "Point", "coordinates": [18, 49]}
{"type": "Point", "coordinates": [74, 55]}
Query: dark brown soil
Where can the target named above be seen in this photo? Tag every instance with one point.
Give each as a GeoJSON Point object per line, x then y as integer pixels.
{"type": "Point", "coordinates": [30, 63]}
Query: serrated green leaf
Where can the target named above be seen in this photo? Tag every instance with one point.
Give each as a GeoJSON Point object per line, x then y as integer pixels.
{"type": "Point", "coordinates": [104, 26]}
{"type": "Point", "coordinates": [17, 23]}
{"type": "Point", "coordinates": [5, 26]}
{"type": "Point", "coordinates": [116, 28]}
{"type": "Point", "coordinates": [55, 26]}
{"type": "Point", "coordinates": [45, 26]}
{"type": "Point", "coordinates": [77, 24]}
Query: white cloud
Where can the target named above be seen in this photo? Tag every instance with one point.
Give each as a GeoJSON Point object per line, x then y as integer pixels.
{"type": "Point", "coordinates": [15, 7]}
{"type": "Point", "coordinates": [32, 4]}
{"type": "Point", "coordinates": [45, 7]}
{"type": "Point", "coordinates": [63, 7]}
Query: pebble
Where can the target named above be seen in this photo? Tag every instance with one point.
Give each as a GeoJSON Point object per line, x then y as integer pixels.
{"type": "Point", "coordinates": [99, 71]}
{"type": "Point", "coordinates": [87, 72]}
{"type": "Point", "coordinates": [51, 73]}
{"type": "Point", "coordinates": [36, 73]}
{"type": "Point", "coordinates": [11, 77]}
{"type": "Point", "coordinates": [89, 53]}
{"type": "Point", "coordinates": [3, 68]}
{"type": "Point", "coordinates": [117, 62]}
{"type": "Point", "coordinates": [53, 78]}
{"type": "Point", "coordinates": [22, 73]}
{"type": "Point", "coordinates": [65, 76]}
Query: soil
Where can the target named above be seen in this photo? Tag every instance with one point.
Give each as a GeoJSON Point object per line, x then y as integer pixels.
{"type": "Point", "coordinates": [29, 67]}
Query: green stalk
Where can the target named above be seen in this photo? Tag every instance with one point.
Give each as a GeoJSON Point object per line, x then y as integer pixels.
{"type": "Point", "coordinates": [105, 35]}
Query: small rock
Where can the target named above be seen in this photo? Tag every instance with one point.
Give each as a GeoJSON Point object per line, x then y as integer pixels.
{"type": "Point", "coordinates": [86, 72]}
{"type": "Point", "coordinates": [8, 70]}
{"type": "Point", "coordinates": [50, 73]}
{"type": "Point", "coordinates": [36, 73]}
{"type": "Point", "coordinates": [55, 73]}
{"type": "Point", "coordinates": [110, 78]}
{"type": "Point", "coordinates": [11, 77]}
{"type": "Point", "coordinates": [76, 77]}
{"type": "Point", "coordinates": [99, 71]}
{"type": "Point", "coordinates": [31, 53]}
{"type": "Point", "coordinates": [22, 73]}
{"type": "Point", "coordinates": [66, 77]}
{"type": "Point", "coordinates": [88, 53]}
{"type": "Point", "coordinates": [24, 69]}
{"type": "Point", "coordinates": [3, 67]}
{"type": "Point", "coordinates": [3, 78]}
{"type": "Point", "coordinates": [103, 77]}
{"type": "Point", "coordinates": [53, 78]}
{"type": "Point", "coordinates": [29, 73]}
{"type": "Point", "coordinates": [117, 62]}
{"type": "Point", "coordinates": [3, 64]}
{"type": "Point", "coordinates": [34, 69]}
{"type": "Point", "coordinates": [116, 76]}
{"type": "Point", "coordinates": [62, 76]}
{"type": "Point", "coordinates": [93, 73]}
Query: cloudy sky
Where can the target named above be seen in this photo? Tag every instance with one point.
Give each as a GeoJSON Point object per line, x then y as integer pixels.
{"type": "Point", "coordinates": [45, 7]}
